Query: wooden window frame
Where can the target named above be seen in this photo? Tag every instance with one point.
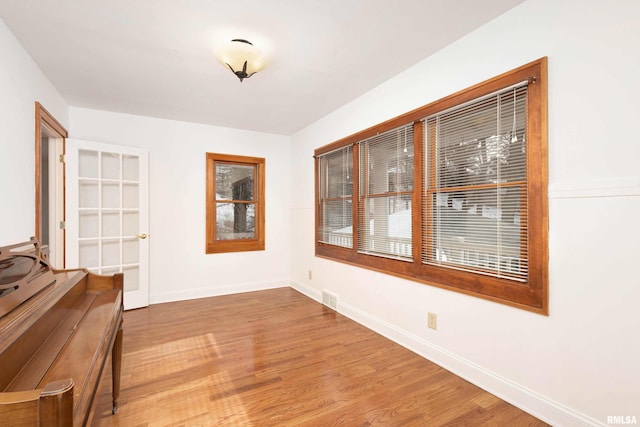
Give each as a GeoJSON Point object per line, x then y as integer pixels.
{"type": "Point", "coordinates": [235, 245]}
{"type": "Point", "coordinates": [531, 295]}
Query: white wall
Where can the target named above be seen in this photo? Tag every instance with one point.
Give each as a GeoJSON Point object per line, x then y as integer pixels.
{"type": "Point", "coordinates": [180, 269]}
{"type": "Point", "coordinates": [21, 85]}
{"type": "Point", "coordinates": [581, 363]}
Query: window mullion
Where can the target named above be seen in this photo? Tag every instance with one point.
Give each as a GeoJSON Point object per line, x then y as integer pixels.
{"type": "Point", "coordinates": [214, 212]}
{"type": "Point", "coordinates": [355, 199]}
{"type": "Point", "coordinates": [417, 212]}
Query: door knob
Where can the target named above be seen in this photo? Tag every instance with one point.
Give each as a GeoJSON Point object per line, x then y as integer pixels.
{"type": "Point", "coordinates": [142, 236]}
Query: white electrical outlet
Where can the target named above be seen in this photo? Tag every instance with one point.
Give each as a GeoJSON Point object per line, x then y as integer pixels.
{"type": "Point", "coordinates": [432, 320]}
{"type": "Point", "coordinates": [310, 275]}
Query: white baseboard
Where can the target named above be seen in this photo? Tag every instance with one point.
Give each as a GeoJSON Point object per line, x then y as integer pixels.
{"type": "Point", "coordinates": [529, 401]}
{"type": "Point", "coordinates": [310, 292]}
{"type": "Point", "coordinates": [211, 291]}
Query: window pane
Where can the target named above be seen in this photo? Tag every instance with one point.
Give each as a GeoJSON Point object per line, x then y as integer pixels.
{"type": "Point", "coordinates": [481, 143]}
{"type": "Point", "coordinates": [235, 221]}
{"type": "Point", "coordinates": [480, 230]}
{"type": "Point", "coordinates": [339, 173]}
{"type": "Point", "coordinates": [477, 150]}
{"type": "Point", "coordinates": [335, 188]}
{"type": "Point", "coordinates": [386, 167]}
{"type": "Point", "coordinates": [386, 227]}
{"type": "Point", "coordinates": [234, 182]}
{"type": "Point", "coordinates": [386, 162]}
{"type": "Point", "coordinates": [337, 228]}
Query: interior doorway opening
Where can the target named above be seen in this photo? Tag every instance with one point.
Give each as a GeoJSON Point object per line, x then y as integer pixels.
{"type": "Point", "coordinates": [50, 137]}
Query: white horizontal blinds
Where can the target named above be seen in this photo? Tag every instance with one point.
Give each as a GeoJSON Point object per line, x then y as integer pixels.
{"type": "Point", "coordinates": [386, 190]}
{"type": "Point", "coordinates": [475, 215]}
{"type": "Point", "coordinates": [336, 189]}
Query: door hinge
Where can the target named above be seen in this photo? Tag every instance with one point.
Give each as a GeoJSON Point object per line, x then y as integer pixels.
{"type": "Point", "coordinates": [63, 225]}
{"type": "Point", "coordinates": [62, 159]}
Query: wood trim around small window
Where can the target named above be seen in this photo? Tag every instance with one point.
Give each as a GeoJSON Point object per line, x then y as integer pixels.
{"type": "Point", "coordinates": [531, 295]}
{"type": "Point", "coordinates": [214, 245]}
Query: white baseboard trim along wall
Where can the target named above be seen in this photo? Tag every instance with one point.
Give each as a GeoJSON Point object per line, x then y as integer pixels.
{"type": "Point", "coordinates": [211, 291]}
{"type": "Point", "coordinates": [529, 401]}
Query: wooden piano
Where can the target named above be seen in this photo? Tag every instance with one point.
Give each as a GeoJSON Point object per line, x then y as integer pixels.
{"type": "Point", "coordinates": [57, 329]}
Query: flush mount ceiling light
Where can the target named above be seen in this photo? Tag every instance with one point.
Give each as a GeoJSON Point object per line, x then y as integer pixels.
{"type": "Point", "coordinates": [241, 57]}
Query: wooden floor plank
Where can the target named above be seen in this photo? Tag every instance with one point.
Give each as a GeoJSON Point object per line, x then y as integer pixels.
{"type": "Point", "coordinates": [278, 358]}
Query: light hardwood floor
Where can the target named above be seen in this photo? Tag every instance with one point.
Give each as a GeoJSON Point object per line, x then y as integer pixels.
{"type": "Point", "coordinates": [278, 358]}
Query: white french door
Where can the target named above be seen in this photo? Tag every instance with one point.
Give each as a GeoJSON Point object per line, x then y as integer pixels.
{"type": "Point", "coordinates": [107, 216]}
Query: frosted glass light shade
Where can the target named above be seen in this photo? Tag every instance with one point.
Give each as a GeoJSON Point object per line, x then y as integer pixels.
{"type": "Point", "coordinates": [241, 57]}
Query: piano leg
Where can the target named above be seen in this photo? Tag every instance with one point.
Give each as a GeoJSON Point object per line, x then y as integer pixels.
{"type": "Point", "coordinates": [116, 363]}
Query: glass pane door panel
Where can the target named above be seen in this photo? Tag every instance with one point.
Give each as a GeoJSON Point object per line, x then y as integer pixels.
{"type": "Point", "coordinates": [130, 251]}
{"type": "Point", "coordinates": [109, 271]}
{"type": "Point", "coordinates": [110, 224]}
{"type": "Point", "coordinates": [88, 194]}
{"type": "Point", "coordinates": [110, 252]}
{"type": "Point", "coordinates": [88, 224]}
{"type": "Point", "coordinates": [130, 168]}
{"type": "Point", "coordinates": [130, 223]}
{"type": "Point", "coordinates": [110, 166]}
{"type": "Point", "coordinates": [89, 253]}
{"type": "Point", "coordinates": [110, 195]}
{"type": "Point", "coordinates": [131, 278]}
{"type": "Point", "coordinates": [130, 196]}
{"type": "Point", "coordinates": [87, 164]}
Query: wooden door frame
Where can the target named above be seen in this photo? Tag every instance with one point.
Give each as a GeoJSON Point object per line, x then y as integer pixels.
{"type": "Point", "coordinates": [45, 124]}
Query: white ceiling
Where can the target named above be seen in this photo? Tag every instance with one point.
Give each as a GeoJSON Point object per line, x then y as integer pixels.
{"type": "Point", "coordinates": [154, 58]}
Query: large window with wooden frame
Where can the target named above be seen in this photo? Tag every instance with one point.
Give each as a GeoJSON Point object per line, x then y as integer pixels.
{"type": "Point", "coordinates": [235, 203]}
{"type": "Point", "coordinates": [452, 194]}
